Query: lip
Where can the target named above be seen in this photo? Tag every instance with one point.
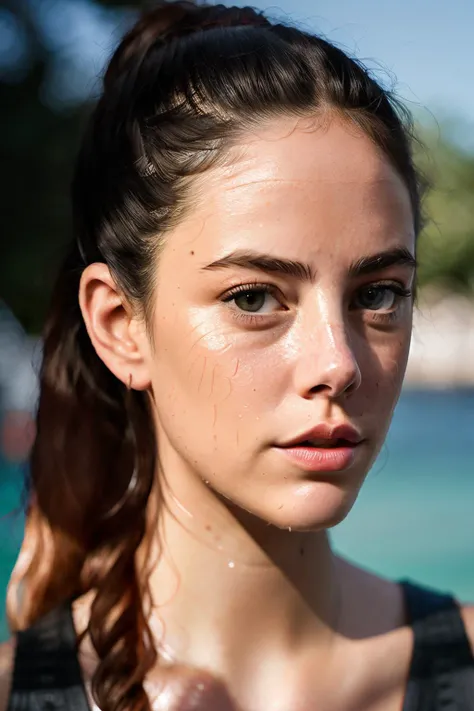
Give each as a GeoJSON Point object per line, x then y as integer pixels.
{"type": "Point", "coordinates": [320, 459]}
{"type": "Point", "coordinates": [325, 431]}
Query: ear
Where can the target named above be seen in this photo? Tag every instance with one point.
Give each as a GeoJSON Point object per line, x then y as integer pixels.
{"type": "Point", "coordinates": [117, 334]}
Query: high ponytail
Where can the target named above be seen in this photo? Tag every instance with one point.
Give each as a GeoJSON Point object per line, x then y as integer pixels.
{"type": "Point", "coordinates": [183, 86]}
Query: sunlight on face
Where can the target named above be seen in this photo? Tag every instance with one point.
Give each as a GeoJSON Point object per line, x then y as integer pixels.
{"type": "Point", "coordinates": [283, 302]}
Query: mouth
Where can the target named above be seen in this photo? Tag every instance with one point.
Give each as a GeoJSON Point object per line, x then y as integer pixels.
{"type": "Point", "coordinates": [324, 443]}
{"type": "Point", "coordinates": [326, 436]}
{"type": "Point", "coordinates": [324, 448]}
{"type": "Point", "coordinates": [322, 456]}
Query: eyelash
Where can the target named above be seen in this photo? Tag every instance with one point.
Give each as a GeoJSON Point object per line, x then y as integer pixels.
{"type": "Point", "coordinates": [397, 289]}
{"type": "Point", "coordinates": [400, 293]}
{"type": "Point", "coordinates": [249, 286]}
{"type": "Point", "coordinates": [251, 319]}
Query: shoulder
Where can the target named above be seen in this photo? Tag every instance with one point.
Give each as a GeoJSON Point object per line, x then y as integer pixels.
{"type": "Point", "coordinates": [7, 658]}
{"type": "Point", "coordinates": [467, 612]}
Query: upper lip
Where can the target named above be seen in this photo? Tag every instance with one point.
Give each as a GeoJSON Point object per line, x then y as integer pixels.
{"type": "Point", "coordinates": [327, 432]}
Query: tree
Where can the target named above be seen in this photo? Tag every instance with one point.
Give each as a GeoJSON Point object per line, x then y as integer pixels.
{"type": "Point", "coordinates": [446, 248]}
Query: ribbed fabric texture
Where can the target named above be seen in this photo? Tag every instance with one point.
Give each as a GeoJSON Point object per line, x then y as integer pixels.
{"type": "Point", "coordinates": [47, 675]}
{"type": "Point", "coordinates": [442, 667]}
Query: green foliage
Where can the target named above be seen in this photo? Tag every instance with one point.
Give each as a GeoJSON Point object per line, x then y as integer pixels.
{"type": "Point", "coordinates": [446, 247]}
{"type": "Point", "coordinates": [37, 147]}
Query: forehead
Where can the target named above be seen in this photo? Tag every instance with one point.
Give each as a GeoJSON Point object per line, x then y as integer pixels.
{"type": "Point", "coordinates": [293, 185]}
{"type": "Point", "coordinates": [327, 150]}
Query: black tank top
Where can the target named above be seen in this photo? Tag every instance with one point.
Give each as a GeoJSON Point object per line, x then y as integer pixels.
{"type": "Point", "coordinates": [47, 675]}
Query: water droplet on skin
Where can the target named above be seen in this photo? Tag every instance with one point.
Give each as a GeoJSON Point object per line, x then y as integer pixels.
{"type": "Point", "coordinates": [231, 564]}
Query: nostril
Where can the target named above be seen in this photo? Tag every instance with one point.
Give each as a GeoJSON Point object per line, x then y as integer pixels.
{"type": "Point", "coordinates": [318, 389]}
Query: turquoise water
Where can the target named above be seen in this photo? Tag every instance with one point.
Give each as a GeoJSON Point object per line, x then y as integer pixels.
{"type": "Point", "coordinates": [414, 516]}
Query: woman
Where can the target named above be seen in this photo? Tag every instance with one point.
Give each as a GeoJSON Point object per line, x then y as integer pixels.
{"type": "Point", "coordinates": [226, 345]}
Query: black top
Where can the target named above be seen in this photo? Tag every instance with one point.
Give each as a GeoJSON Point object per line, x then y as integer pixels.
{"type": "Point", "coordinates": [47, 675]}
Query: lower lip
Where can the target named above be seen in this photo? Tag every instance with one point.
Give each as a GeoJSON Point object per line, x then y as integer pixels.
{"type": "Point", "coordinates": [321, 459]}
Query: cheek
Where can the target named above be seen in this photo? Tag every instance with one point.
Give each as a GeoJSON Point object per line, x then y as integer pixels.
{"type": "Point", "coordinates": [208, 378]}
{"type": "Point", "coordinates": [383, 366]}
{"type": "Point", "coordinates": [397, 352]}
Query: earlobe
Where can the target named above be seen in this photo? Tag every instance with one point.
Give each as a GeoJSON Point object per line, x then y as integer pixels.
{"type": "Point", "coordinates": [112, 327]}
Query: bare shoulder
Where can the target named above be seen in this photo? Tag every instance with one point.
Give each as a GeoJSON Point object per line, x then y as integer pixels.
{"type": "Point", "coordinates": [468, 617]}
{"type": "Point", "coordinates": [7, 657]}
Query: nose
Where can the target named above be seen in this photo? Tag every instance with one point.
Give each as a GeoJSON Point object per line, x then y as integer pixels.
{"type": "Point", "coordinates": [326, 361]}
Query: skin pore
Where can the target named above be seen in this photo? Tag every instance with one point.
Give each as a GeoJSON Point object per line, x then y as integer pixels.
{"type": "Point", "coordinates": [282, 301]}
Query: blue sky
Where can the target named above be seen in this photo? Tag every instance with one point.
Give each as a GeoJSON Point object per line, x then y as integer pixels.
{"type": "Point", "coordinates": [427, 46]}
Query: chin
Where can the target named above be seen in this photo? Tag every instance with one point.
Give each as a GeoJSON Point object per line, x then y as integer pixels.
{"type": "Point", "coordinates": [312, 506]}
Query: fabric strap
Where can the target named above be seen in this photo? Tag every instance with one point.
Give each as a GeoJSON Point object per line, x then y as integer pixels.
{"type": "Point", "coordinates": [442, 669]}
{"type": "Point", "coordinates": [47, 675]}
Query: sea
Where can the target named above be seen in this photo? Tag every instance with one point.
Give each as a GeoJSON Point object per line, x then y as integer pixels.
{"type": "Point", "coordinates": [414, 517]}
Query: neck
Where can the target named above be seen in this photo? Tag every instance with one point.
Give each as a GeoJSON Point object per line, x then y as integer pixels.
{"type": "Point", "coordinates": [225, 583]}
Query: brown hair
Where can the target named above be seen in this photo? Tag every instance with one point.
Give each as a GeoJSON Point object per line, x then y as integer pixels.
{"type": "Point", "coordinates": [183, 85]}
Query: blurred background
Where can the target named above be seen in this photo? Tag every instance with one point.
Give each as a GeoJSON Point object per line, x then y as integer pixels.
{"type": "Point", "coordinates": [415, 516]}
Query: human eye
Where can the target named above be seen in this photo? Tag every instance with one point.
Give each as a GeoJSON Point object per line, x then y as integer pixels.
{"type": "Point", "coordinates": [381, 300]}
{"type": "Point", "coordinates": [253, 301]}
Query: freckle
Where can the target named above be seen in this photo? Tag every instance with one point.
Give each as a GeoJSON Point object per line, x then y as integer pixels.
{"type": "Point", "coordinates": [208, 527]}
{"type": "Point", "coordinates": [192, 253]}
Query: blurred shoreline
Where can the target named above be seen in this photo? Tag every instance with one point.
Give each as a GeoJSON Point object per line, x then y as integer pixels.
{"type": "Point", "coordinates": [442, 347]}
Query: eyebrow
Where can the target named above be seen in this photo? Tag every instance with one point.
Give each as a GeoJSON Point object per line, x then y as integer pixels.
{"type": "Point", "coordinates": [304, 272]}
{"type": "Point", "coordinates": [264, 263]}
{"type": "Point", "coordinates": [400, 256]}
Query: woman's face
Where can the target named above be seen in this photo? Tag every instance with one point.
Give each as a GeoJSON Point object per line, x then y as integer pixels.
{"type": "Point", "coordinates": [283, 310]}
